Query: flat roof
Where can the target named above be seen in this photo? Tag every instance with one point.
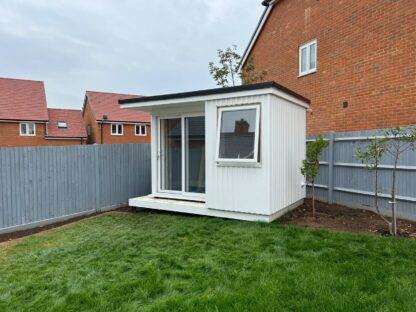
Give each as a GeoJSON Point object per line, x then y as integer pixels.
{"type": "Point", "coordinates": [246, 87]}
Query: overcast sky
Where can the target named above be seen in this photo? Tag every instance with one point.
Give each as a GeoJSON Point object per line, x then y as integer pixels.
{"type": "Point", "coordinates": [127, 46]}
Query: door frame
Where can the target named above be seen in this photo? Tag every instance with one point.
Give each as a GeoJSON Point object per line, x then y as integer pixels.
{"type": "Point", "coordinates": [170, 193]}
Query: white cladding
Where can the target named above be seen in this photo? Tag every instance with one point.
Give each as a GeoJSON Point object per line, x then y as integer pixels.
{"type": "Point", "coordinates": [276, 182]}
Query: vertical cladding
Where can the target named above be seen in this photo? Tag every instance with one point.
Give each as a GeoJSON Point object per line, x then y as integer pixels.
{"type": "Point", "coordinates": [365, 56]}
{"type": "Point", "coordinates": [287, 141]}
{"type": "Point", "coordinates": [40, 183]}
{"type": "Point", "coordinates": [236, 188]}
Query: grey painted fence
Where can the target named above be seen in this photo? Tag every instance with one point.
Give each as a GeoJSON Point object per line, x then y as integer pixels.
{"type": "Point", "coordinates": [344, 180]}
{"type": "Point", "coordinates": [39, 185]}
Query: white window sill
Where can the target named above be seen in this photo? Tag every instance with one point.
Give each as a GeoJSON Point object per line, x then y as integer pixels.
{"type": "Point", "coordinates": [116, 134]}
{"type": "Point", "coordinates": [28, 135]}
{"type": "Point", "coordinates": [141, 135]}
{"type": "Point", "coordinates": [238, 164]}
{"type": "Point", "coordinates": [306, 74]}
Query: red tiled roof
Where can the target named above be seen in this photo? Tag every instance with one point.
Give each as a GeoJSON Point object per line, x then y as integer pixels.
{"type": "Point", "coordinates": [22, 100]}
{"type": "Point", "coordinates": [107, 104]}
{"type": "Point", "coordinates": [73, 118]}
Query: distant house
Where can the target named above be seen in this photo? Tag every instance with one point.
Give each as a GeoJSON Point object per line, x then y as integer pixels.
{"type": "Point", "coordinates": [66, 125]}
{"type": "Point", "coordinates": [107, 123]}
{"type": "Point", "coordinates": [26, 121]}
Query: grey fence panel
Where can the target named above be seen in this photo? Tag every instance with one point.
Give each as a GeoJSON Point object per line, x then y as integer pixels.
{"type": "Point", "coordinates": [44, 184]}
{"type": "Point", "coordinates": [344, 180]}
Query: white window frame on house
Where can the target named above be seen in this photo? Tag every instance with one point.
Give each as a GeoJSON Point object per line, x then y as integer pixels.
{"type": "Point", "coordinates": [255, 158]}
{"type": "Point", "coordinates": [309, 69]}
{"type": "Point", "coordinates": [117, 125]}
{"type": "Point", "coordinates": [140, 126]}
{"type": "Point", "coordinates": [27, 128]}
{"type": "Point", "coordinates": [62, 124]}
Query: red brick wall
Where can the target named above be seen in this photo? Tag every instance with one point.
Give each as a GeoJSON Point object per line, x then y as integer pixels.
{"type": "Point", "coordinates": [128, 136]}
{"type": "Point", "coordinates": [366, 56]}
{"type": "Point", "coordinates": [10, 137]}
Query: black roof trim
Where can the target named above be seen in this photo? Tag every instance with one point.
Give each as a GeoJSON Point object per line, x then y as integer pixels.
{"type": "Point", "coordinates": [246, 87]}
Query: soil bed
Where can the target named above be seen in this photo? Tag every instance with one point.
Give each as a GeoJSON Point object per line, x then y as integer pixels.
{"type": "Point", "coordinates": [341, 218]}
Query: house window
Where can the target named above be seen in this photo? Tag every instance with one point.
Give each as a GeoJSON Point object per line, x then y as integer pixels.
{"type": "Point", "coordinates": [307, 58]}
{"type": "Point", "coordinates": [141, 130]}
{"type": "Point", "coordinates": [116, 129]}
{"type": "Point", "coordinates": [62, 124]}
{"type": "Point", "coordinates": [238, 133]}
{"type": "Point", "coordinates": [27, 129]}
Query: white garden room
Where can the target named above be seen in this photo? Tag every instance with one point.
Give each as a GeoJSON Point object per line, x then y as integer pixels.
{"type": "Point", "coordinates": [228, 152]}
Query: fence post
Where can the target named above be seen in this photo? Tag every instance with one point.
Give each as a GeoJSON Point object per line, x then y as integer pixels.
{"type": "Point", "coordinates": [331, 168]}
{"type": "Point", "coordinates": [97, 153]}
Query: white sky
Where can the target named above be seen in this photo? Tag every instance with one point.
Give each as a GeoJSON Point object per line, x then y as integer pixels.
{"type": "Point", "coordinates": [130, 46]}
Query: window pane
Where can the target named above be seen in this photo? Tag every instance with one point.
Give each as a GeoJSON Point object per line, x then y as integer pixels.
{"type": "Point", "coordinates": [195, 154]}
{"type": "Point", "coordinates": [113, 129]}
{"type": "Point", "coordinates": [237, 134]}
{"type": "Point", "coordinates": [23, 128]}
{"type": "Point", "coordinates": [171, 154]}
{"type": "Point", "coordinates": [138, 130]}
{"type": "Point", "coordinates": [312, 62]}
{"type": "Point", "coordinates": [31, 129]}
{"type": "Point", "coordinates": [303, 60]}
{"type": "Point", "coordinates": [120, 129]}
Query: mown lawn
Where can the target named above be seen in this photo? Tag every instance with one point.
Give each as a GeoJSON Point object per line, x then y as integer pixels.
{"type": "Point", "coordinates": [164, 262]}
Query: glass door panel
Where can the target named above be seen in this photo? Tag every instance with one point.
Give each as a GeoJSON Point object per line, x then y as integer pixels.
{"type": "Point", "coordinates": [195, 154]}
{"type": "Point", "coordinates": [171, 154]}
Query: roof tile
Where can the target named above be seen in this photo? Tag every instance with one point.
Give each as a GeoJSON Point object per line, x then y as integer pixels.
{"type": "Point", "coordinates": [73, 118]}
{"type": "Point", "coordinates": [22, 100]}
{"type": "Point", "coordinates": [107, 104]}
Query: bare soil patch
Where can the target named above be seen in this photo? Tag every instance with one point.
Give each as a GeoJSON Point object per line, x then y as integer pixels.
{"type": "Point", "coordinates": [18, 234]}
{"type": "Point", "coordinates": [344, 219]}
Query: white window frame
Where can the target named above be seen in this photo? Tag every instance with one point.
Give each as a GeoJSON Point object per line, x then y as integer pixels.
{"type": "Point", "coordinates": [255, 158]}
{"type": "Point", "coordinates": [307, 45]}
{"type": "Point", "coordinates": [117, 124]}
{"type": "Point", "coordinates": [27, 126]}
{"type": "Point", "coordinates": [182, 194]}
{"type": "Point", "coordinates": [140, 125]}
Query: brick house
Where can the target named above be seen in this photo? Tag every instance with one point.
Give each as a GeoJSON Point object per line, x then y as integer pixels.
{"type": "Point", "coordinates": [355, 60]}
{"type": "Point", "coordinates": [107, 123]}
{"type": "Point", "coordinates": [26, 121]}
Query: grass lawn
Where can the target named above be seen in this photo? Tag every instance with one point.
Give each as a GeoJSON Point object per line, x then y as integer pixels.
{"type": "Point", "coordinates": [164, 262]}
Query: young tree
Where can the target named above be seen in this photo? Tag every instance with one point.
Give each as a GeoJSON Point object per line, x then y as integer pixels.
{"type": "Point", "coordinates": [371, 157]}
{"type": "Point", "coordinates": [310, 167]}
{"type": "Point", "coordinates": [398, 141]}
{"type": "Point", "coordinates": [249, 74]}
{"type": "Point", "coordinates": [226, 72]}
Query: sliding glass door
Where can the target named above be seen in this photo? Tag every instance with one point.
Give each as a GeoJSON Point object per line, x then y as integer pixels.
{"type": "Point", "coordinates": [182, 156]}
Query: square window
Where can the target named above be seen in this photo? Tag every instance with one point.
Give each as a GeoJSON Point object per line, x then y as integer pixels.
{"type": "Point", "coordinates": [141, 130]}
{"type": "Point", "coordinates": [307, 58]}
{"type": "Point", "coordinates": [116, 129]}
{"type": "Point", "coordinates": [238, 133]}
{"type": "Point", "coordinates": [27, 129]}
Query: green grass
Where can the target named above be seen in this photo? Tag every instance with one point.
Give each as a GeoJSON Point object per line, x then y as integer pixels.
{"type": "Point", "coordinates": [164, 262]}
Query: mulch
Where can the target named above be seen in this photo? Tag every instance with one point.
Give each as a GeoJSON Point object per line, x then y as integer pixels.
{"type": "Point", "coordinates": [343, 219]}
{"type": "Point", "coordinates": [18, 234]}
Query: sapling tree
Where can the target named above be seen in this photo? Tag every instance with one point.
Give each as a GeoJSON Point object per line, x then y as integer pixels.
{"type": "Point", "coordinates": [398, 141]}
{"type": "Point", "coordinates": [371, 157]}
{"type": "Point", "coordinates": [310, 165]}
{"type": "Point", "coordinates": [226, 72]}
